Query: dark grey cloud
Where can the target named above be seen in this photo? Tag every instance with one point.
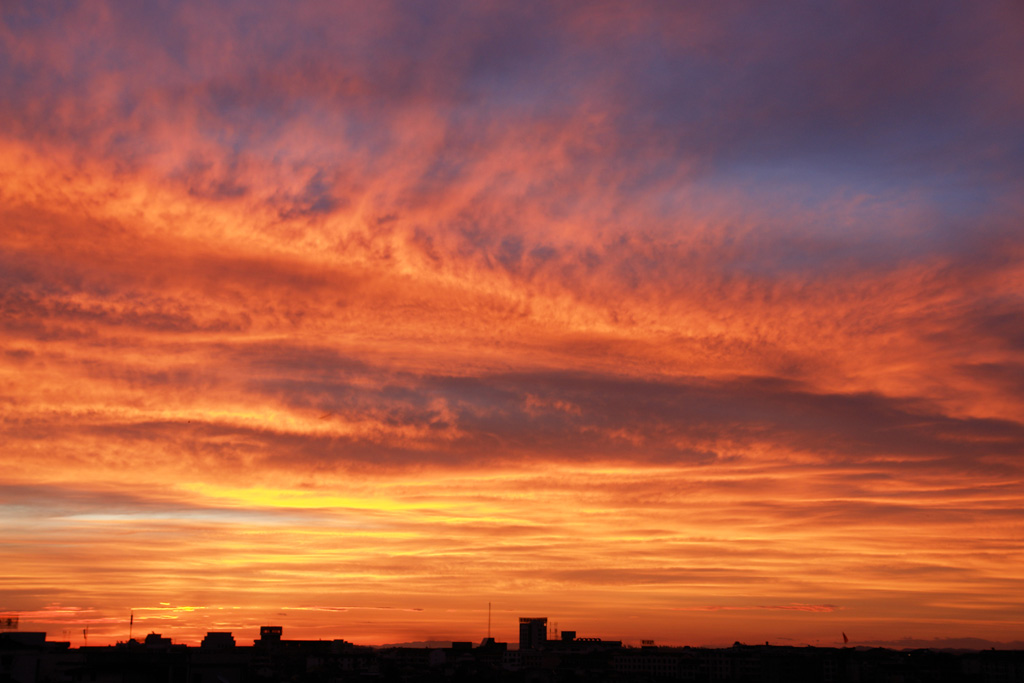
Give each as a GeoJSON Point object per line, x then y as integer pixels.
{"type": "Point", "coordinates": [567, 416]}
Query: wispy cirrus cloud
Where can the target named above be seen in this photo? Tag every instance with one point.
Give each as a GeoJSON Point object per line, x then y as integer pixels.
{"type": "Point", "coordinates": [746, 608]}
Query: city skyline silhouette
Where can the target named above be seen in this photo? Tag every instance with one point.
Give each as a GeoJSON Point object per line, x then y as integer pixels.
{"type": "Point", "coordinates": [543, 653]}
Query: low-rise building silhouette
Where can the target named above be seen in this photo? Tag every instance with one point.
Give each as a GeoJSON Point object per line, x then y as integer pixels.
{"type": "Point", "coordinates": [218, 640]}
{"type": "Point", "coordinates": [30, 658]}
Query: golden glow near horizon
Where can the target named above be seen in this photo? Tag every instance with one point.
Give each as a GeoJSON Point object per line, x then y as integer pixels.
{"type": "Point", "coordinates": [360, 319]}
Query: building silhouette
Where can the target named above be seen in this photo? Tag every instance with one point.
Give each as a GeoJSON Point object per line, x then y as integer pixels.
{"type": "Point", "coordinates": [218, 640]}
{"type": "Point", "coordinates": [533, 633]}
{"type": "Point", "coordinates": [30, 658]}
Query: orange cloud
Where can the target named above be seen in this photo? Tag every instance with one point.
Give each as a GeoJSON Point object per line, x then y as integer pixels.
{"type": "Point", "coordinates": [585, 313]}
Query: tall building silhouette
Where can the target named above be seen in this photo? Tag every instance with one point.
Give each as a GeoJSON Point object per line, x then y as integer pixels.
{"type": "Point", "coordinates": [533, 633]}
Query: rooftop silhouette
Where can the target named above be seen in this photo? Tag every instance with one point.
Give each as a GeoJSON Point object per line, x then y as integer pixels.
{"type": "Point", "coordinates": [29, 657]}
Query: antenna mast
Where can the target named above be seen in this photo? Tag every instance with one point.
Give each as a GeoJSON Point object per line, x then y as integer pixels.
{"type": "Point", "coordinates": [488, 620]}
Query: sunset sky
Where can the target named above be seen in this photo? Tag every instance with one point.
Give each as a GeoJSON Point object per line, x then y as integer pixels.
{"type": "Point", "coordinates": [690, 321]}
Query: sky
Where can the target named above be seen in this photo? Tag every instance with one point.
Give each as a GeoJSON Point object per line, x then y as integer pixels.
{"type": "Point", "coordinates": [698, 322]}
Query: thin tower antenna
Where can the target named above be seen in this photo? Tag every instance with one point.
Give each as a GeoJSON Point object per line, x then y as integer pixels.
{"type": "Point", "coordinates": [131, 623]}
{"type": "Point", "coordinates": [488, 621]}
